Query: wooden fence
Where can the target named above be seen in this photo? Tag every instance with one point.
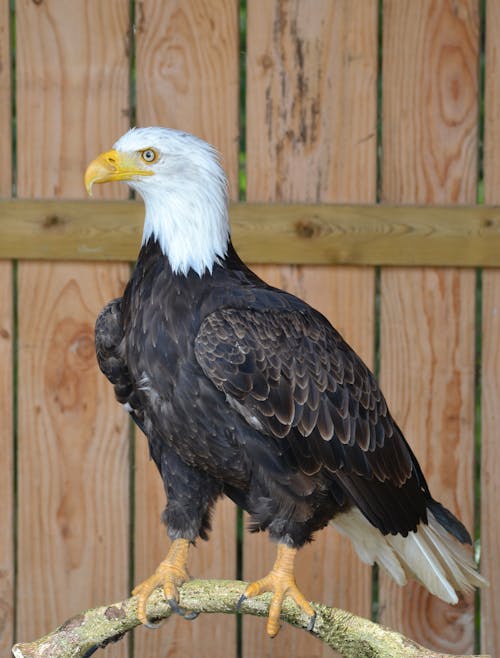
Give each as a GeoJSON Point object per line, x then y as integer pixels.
{"type": "Point", "coordinates": [347, 102]}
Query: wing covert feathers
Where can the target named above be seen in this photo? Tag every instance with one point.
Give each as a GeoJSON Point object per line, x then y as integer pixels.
{"type": "Point", "coordinates": [291, 373]}
{"type": "Point", "coordinates": [431, 554]}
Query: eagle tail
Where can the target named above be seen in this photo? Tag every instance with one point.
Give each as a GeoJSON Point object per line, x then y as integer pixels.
{"type": "Point", "coordinates": [432, 555]}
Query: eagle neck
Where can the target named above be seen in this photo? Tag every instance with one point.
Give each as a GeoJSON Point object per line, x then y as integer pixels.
{"type": "Point", "coordinates": [191, 226]}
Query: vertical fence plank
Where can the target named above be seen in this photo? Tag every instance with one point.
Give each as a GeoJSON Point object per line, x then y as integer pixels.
{"type": "Point", "coordinates": [311, 136]}
{"type": "Point", "coordinates": [430, 87]}
{"type": "Point", "coordinates": [72, 97]}
{"type": "Point", "coordinates": [7, 463]}
{"type": "Point", "coordinates": [6, 354]}
{"type": "Point", "coordinates": [5, 97]}
{"type": "Point", "coordinates": [490, 368]}
{"type": "Point", "coordinates": [187, 78]}
{"type": "Point", "coordinates": [6, 346]}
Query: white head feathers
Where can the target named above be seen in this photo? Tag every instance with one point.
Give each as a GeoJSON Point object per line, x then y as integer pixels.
{"type": "Point", "coordinates": [186, 199]}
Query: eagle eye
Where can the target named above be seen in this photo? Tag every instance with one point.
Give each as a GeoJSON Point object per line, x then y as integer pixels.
{"type": "Point", "coordinates": [149, 155]}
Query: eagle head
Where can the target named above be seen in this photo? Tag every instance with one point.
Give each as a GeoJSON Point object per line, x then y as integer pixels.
{"type": "Point", "coordinates": [184, 189]}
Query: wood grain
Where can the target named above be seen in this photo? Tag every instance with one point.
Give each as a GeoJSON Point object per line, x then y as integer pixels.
{"type": "Point", "coordinates": [5, 105]}
{"type": "Point", "coordinates": [188, 73]}
{"type": "Point", "coordinates": [311, 116]}
{"type": "Point", "coordinates": [430, 87]}
{"type": "Point", "coordinates": [490, 362]}
{"type": "Point", "coordinates": [187, 77]}
{"type": "Point", "coordinates": [6, 364]}
{"type": "Point", "coordinates": [72, 93]}
{"type": "Point", "coordinates": [7, 462]}
{"type": "Point", "coordinates": [300, 233]}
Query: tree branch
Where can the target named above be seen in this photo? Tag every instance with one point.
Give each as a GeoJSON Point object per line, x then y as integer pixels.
{"type": "Point", "coordinates": [351, 636]}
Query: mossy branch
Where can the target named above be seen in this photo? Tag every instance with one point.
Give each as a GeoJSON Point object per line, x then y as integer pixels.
{"type": "Point", "coordinates": [351, 636]}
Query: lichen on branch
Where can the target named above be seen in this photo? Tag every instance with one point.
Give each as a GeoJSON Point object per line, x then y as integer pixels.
{"type": "Point", "coordinates": [349, 635]}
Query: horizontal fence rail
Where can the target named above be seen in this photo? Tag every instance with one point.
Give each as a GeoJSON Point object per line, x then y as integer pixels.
{"type": "Point", "coordinates": [281, 233]}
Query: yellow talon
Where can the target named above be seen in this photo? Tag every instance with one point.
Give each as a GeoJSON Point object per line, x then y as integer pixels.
{"type": "Point", "coordinates": [170, 574]}
{"type": "Point", "coordinates": [281, 581]}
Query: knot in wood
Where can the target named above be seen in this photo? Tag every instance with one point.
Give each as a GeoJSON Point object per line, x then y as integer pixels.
{"type": "Point", "coordinates": [73, 622]}
{"type": "Point", "coordinates": [307, 228]}
{"type": "Point", "coordinates": [114, 612]}
{"type": "Point", "coordinates": [52, 221]}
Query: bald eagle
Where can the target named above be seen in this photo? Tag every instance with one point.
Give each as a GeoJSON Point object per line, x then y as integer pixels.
{"type": "Point", "coordinates": [245, 391]}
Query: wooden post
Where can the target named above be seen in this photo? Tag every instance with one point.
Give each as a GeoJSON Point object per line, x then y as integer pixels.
{"type": "Point", "coordinates": [72, 95]}
{"type": "Point", "coordinates": [187, 78]}
{"type": "Point", "coordinates": [6, 363]}
{"type": "Point", "coordinates": [490, 362]}
{"type": "Point", "coordinates": [429, 132]}
{"type": "Point", "coordinates": [311, 136]}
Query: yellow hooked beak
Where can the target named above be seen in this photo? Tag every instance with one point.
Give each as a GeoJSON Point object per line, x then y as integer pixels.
{"type": "Point", "coordinates": [113, 165]}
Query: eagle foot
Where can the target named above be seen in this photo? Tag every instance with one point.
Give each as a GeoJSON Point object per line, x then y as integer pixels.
{"type": "Point", "coordinates": [281, 581]}
{"type": "Point", "coordinates": [170, 575]}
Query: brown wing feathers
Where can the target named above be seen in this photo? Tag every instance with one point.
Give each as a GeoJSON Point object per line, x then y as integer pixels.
{"type": "Point", "coordinates": [298, 377]}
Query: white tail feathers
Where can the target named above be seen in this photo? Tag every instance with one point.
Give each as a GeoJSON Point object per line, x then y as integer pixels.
{"type": "Point", "coordinates": [431, 554]}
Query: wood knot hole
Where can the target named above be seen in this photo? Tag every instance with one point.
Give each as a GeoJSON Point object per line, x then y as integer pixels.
{"type": "Point", "coordinates": [52, 221]}
{"type": "Point", "coordinates": [305, 228]}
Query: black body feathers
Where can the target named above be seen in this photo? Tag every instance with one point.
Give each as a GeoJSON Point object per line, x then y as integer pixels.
{"type": "Point", "coordinates": [244, 390]}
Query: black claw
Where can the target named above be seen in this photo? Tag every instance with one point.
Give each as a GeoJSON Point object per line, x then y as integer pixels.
{"type": "Point", "coordinates": [187, 614]}
{"type": "Point", "coordinates": [176, 607]}
{"type": "Point", "coordinates": [152, 625]}
{"type": "Point", "coordinates": [241, 601]}
{"type": "Point", "coordinates": [311, 622]}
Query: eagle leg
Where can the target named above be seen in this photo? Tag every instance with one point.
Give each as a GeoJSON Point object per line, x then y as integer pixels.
{"type": "Point", "coordinates": [170, 574]}
{"type": "Point", "coordinates": [281, 581]}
